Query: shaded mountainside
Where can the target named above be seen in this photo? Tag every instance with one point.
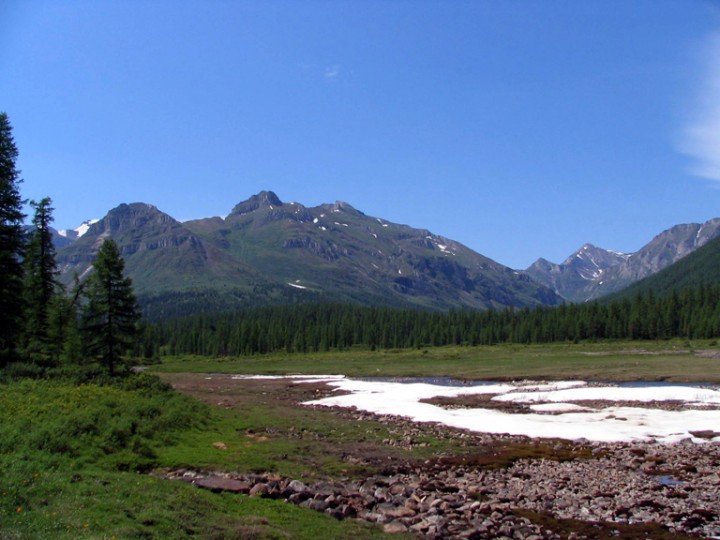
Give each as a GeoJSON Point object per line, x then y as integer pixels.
{"type": "Point", "coordinates": [269, 251]}
{"type": "Point", "coordinates": [701, 268]}
{"type": "Point", "coordinates": [592, 272]}
{"type": "Point", "coordinates": [583, 268]}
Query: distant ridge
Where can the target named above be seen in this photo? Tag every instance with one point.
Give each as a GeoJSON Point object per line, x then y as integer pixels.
{"type": "Point", "coordinates": [592, 272]}
{"type": "Point", "coordinates": [267, 251]}
{"type": "Point", "coordinates": [699, 268]}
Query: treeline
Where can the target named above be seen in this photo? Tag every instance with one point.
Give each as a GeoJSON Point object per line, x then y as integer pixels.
{"type": "Point", "coordinates": [692, 314]}
{"type": "Point", "coordinates": [44, 328]}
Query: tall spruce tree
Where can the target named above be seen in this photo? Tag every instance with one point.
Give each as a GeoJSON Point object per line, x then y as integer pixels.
{"type": "Point", "coordinates": [11, 244]}
{"type": "Point", "coordinates": [111, 315]}
{"type": "Point", "coordinates": [41, 284]}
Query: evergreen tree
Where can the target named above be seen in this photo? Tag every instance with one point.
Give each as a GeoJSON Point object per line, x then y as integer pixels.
{"type": "Point", "coordinates": [41, 284]}
{"type": "Point", "coordinates": [111, 314]}
{"type": "Point", "coordinates": [11, 244]}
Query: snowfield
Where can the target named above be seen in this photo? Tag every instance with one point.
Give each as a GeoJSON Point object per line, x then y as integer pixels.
{"type": "Point", "coordinates": [567, 409]}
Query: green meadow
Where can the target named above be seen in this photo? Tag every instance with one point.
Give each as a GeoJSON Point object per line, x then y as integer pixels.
{"type": "Point", "coordinates": [75, 463]}
{"type": "Point", "coordinates": [671, 360]}
{"type": "Point", "coordinates": [86, 461]}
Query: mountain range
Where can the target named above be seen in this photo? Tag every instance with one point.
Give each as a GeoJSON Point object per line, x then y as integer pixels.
{"type": "Point", "coordinates": [267, 251]}
{"type": "Point", "coordinates": [592, 272]}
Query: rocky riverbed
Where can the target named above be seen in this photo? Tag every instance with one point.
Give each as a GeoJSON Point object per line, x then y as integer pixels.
{"type": "Point", "coordinates": [512, 487]}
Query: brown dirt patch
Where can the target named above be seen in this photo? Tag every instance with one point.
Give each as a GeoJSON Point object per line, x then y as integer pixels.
{"type": "Point", "coordinates": [486, 401]}
{"type": "Point", "coordinates": [225, 391]}
{"type": "Point", "coordinates": [478, 401]}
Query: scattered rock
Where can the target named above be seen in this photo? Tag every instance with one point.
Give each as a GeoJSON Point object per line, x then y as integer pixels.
{"type": "Point", "coordinates": [480, 494]}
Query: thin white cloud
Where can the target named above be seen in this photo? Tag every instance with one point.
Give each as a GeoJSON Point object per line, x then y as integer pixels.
{"type": "Point", "coordinates": [700, 138]}
{"type": "Point", "coordinates": [332, 73]}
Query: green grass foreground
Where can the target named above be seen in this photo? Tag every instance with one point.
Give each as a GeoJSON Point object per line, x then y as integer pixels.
{"type": "Point", "coordinates": [71, 459]}
{"type": "Point", "coordinates": [74, 458]}
{"type": "Point", "coordinates": [672, 360]}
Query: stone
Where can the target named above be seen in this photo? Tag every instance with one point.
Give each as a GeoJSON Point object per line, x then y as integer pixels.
{"type": "Point", "coordinates": [259, 490]}
{"type": "Point", "coordinates": [219, 483]}
{"type": "Point", "coordinates": [394, 527]}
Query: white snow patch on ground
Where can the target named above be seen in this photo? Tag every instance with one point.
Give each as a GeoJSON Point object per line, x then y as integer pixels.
{"type": "Point", "coordinates": [687, 394]}
{"type": "Point", "coordinates": [558, 407]}
{"type": "Point", "coordinates": [571, 421]}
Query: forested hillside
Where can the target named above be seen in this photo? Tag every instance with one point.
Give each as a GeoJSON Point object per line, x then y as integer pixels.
{"type": "Point", "coordinates": [692, 313]}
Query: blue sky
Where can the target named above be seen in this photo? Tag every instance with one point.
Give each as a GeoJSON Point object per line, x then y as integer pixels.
{"type": "Point", "coordinates": [520, 128]}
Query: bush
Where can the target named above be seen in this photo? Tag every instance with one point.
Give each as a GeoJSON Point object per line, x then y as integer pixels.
{"type": "Point", "coordinates": [115, 426]}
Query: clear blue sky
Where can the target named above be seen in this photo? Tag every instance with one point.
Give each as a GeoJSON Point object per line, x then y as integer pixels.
{"type": "Point", "coordinates": [520, 128]}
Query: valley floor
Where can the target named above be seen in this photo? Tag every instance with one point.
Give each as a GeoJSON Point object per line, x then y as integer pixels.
{"type": "Point", "coordinates": [433, 481]}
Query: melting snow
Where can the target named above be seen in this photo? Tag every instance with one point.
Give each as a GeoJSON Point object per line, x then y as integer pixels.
{"type": "Point", "coordinates": [569, 420]}
{"type": "Point", "coordinates": [81, 230]}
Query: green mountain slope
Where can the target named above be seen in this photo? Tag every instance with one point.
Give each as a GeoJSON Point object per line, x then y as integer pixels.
{"type": "Point", "coordinates": [266, 251]}
{"type": "Point", "coordinates": [334, 248]}
{"type": "Point", "coordinates": [160, 253]}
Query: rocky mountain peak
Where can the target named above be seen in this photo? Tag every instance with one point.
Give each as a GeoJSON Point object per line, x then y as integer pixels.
{"type": "Point", "coordinates": [127, 217]}
{"type": "Point", "coordinates": [592, 272]}
{"type": "Point", "coordinates": [264, 199]}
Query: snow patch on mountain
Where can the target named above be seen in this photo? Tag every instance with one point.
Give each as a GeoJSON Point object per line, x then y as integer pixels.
{"type": "Point", "coordinates": [74, 234]}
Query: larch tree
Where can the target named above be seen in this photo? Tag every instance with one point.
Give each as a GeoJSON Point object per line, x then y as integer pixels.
{"type": "Point", "coordinates": [111, 315]}
{"type": "Point", "coordinates": [12, 242]}
{"type": "Point", "coordinates": [41, 285]}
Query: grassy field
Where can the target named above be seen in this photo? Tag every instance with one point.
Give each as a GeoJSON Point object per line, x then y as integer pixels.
{"type": "Point", "coordinates": [72, 460]}
{"type": "Point", "coordinates": [75, 459]}
{"type": "Point", "coordinates": [618, 361]}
